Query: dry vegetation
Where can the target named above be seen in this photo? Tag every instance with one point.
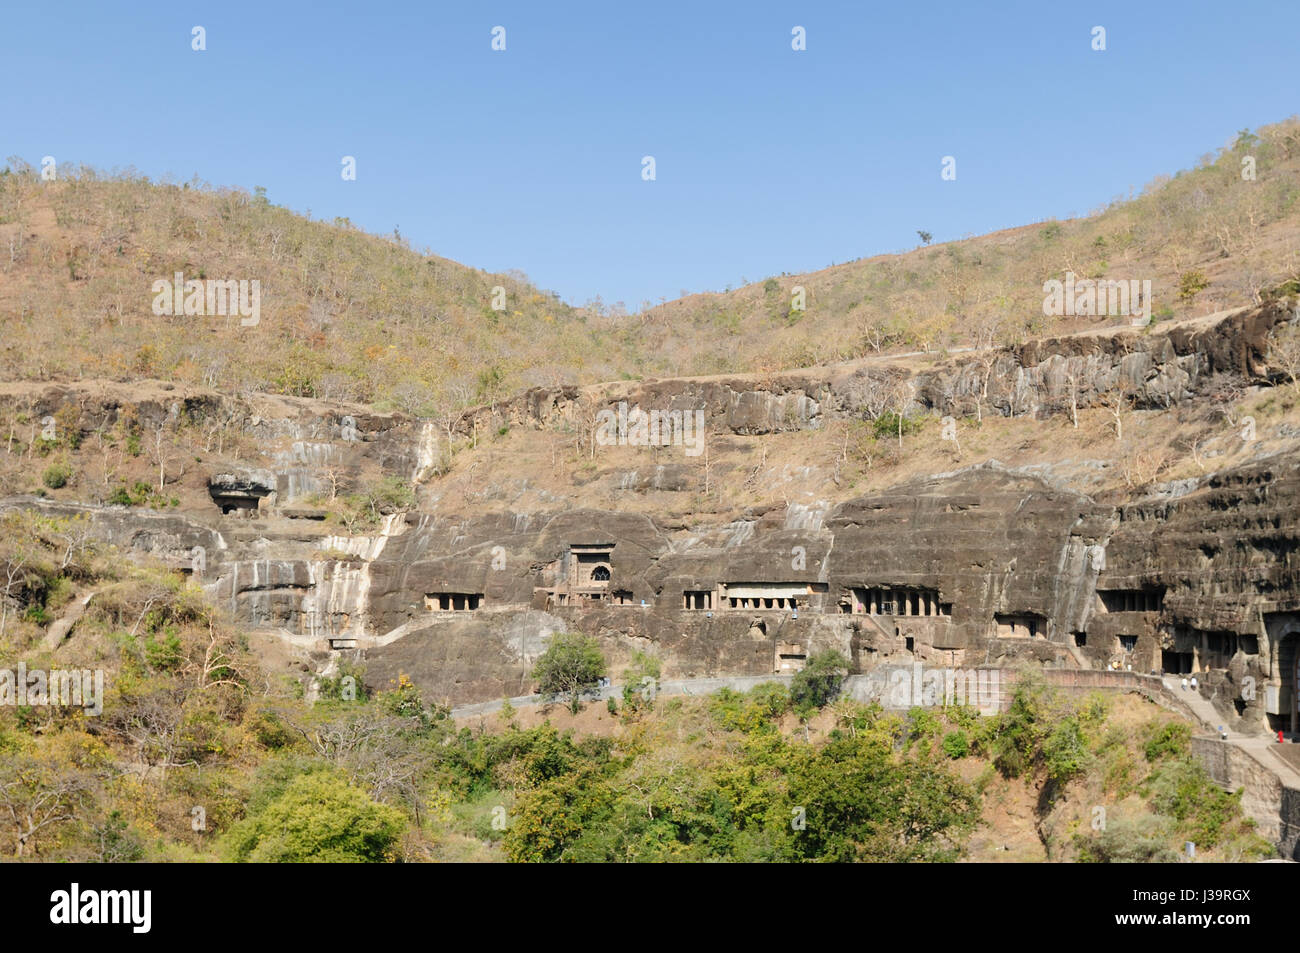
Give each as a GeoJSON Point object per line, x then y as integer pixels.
{"type": "Point", "coordinates": [1207, 229]}
{"type": "Point", "coordinates": [346, 315]}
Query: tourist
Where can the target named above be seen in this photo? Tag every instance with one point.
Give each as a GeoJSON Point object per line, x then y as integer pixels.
{"type": "Point", "coordinates": [1193, 683]}
{"type": "Point", "coordinates": [1184, 683]}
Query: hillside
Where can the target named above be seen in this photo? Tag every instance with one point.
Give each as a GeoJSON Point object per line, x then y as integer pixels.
{"type": "Point", "coordinates": [344, 314]}
{"type": "Point", "coordinates": [1206, 238]}
{"type": "Point", "coordinates": [303, 552]}
{"type": "Point", "coordinates": [350, 316]}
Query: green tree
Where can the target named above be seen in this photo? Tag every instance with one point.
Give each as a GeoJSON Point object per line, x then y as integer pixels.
{"type": "Point", "coordinates": [1141, 840]}
{"type": "Point", "coordinates": [819, 682]}
{"type": "Point", "coordinates": [319, 818]}
{"type": "Point", "coordinates": [637, 691]}
{"type": "Point", "coordinates": [572, 663]}
{"type": "Point", "coordinates": [956, 744]}
{"type": "Point", "coordinates": [861, 804]}
{"type": "Point", "coordinates": [1190, 284]}
{"type": "Point", "coordinates": [56, 475]}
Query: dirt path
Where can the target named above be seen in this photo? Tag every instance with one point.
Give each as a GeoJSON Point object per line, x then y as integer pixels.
{"type": "Point", "coordinates": [61, 628]}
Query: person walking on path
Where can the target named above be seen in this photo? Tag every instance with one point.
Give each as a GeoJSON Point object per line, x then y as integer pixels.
{"type": "Point", "coordinates": [1184, 683]}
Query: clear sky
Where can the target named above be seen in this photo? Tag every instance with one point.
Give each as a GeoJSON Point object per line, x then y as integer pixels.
{"type": "Point", "coordinates": [767, 159]}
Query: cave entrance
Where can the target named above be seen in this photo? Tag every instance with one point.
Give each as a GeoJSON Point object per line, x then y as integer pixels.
{"type": "Point", "coordinates": [1022, 626]}
{"type": "Point", "coordinates": [790, 657]}
{"type": "Point", "coordinates": [1176, 663]}
{"type": "Point", "coordinates": [697, 599]}
{"type": "Point", "coordinates": [1287, 716]}
{"type": "Point", "coordinates": [236, 504]}
{"type": "Point", "coordinates": [453, 601]}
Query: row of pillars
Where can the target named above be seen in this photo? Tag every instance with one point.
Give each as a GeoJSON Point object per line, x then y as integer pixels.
{"type": "Point", "coordinates": [776, 602]}
{"type": "Point", "coordinates": [896, 602]}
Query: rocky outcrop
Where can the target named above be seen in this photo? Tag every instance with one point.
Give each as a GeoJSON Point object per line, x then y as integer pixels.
{"type": "Point", "coordinates": [1154, 367]}
{"type": "Point", "coordinates": [1157, 366]}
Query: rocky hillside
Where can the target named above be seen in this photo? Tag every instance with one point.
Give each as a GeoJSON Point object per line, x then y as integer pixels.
{"type": "Point", "coordinates": [330, 528]}
{"type": "Point", "coordinates": [1207, 238]}
{"type": "Point", "coordinates": [350, 316]}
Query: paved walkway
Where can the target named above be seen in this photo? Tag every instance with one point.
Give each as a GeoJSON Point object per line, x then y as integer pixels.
{"type": "Point", "coordinates": [1262, 747]}
{"type": "Point", "coordinates": [1200, 706]}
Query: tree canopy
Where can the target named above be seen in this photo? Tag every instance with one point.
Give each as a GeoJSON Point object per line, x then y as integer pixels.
{"type": "Point", "coordinates": [570, 664]}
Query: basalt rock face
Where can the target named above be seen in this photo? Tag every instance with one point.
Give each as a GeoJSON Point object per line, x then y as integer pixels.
{"type": "Point", "coordinates": [1223, 562]}
{"type": "Point", "coordinates": [984, 541]}
{"type": "Point", "coordinates": [988, 540]}
{"type": "Point", "coordinates": [741, 404]}
{"type": "Point", "coordinates": [1153, 367]}
{"type": "Point", "coordinates": [1150, 368]}
{"type": "Point", "coordinates": [170, 539]}
{"type": "Point", "coordinates": [992, 545]}
{"type": "Point", "coordinates": [308, 436]}
{"type": "Point", "coordinates": [1215, 569]}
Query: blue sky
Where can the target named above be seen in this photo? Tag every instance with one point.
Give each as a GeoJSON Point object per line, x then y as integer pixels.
{"type": "Point", "coordinates": [768, 160]}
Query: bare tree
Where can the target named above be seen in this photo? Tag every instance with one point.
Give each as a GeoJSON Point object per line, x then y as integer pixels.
{"type": "Point", "coordinates": [987, 361]}
{"type": "Point", "coordinates": [1227, 394]}
{"type": "Point", "coordinates": [152, 725]}
{"type": "Point", "coordinates": [874, 334]}
{"type": "Point", "coordinates": [900, 395]}
{"type": "Point", "coordinates": [450, 414]}
{"type": "Point", "coordinates": [335, 475]}
{"type": "Point", "coordinates": [35, 797]}
{"type": "Point", "coordinates": [110, 460]}
{"type": "Point", "coordinates": [411, 398]}
{"type": "Point", "coordinates": [372, 752]}
{"type": "Point", "coordinates": [708, 467]}
{"type": "Point", "coordinates": [221, 664]}
{"type": "Point", "coordinates": [1119, 401]}
{"type": "Point", "coordinates": [1284, 350]}
{"type": "Point", "coordinates": [13, 572]}
{"type": "Point", "coordinates": [216, 430]}
{"type": "Point", "coordinates": [76, 535]}
{"type": "Point", "coordinates": [587, 408]}
{"type": "Point", "coordinates": [985, 327]}
{"type": "Point", "coordinates": [1140, 468]}
{"type": "Point", "coordinates": [871, 391]}
{"type": "Point", "coordinates": [158, 454]}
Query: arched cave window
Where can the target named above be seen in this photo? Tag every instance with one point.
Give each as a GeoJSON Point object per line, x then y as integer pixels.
{"type": "Point", "coordinates": [600, 574]}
